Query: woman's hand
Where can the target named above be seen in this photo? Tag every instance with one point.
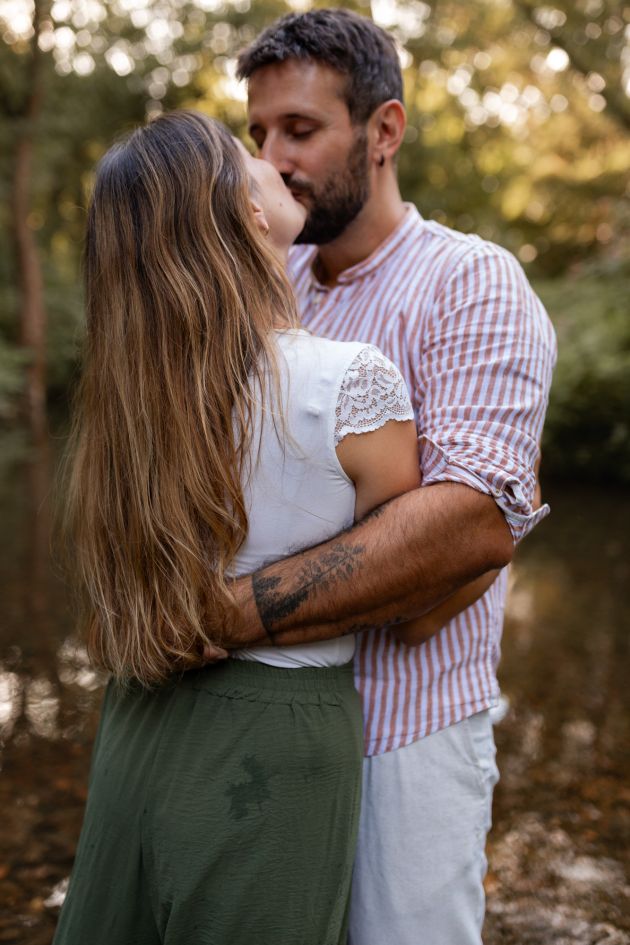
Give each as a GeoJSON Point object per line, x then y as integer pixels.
{"type": "Point", "coordinates": [214, 654]}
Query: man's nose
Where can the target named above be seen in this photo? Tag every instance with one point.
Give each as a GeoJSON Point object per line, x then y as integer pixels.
{"type": "Point", "coordinates": [276, 152]}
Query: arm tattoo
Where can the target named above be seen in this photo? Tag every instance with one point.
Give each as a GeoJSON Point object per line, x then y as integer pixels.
{"type": "Point", "coordinates": [336, 564]}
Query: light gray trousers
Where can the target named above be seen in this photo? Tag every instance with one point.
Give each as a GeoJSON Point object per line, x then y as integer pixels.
{"type": "Point", "coordinates": [426, 811]}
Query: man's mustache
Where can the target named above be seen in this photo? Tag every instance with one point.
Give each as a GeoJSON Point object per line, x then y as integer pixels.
{"type": "Point", "coordinates": [298, 186]}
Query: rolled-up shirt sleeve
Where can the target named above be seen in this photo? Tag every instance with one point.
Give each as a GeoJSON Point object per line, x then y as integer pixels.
{"type": "Point", "coordinates": [484, 378]}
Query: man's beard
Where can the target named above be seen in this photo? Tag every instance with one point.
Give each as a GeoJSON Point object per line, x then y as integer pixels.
{"type": "Point", "coordinates": [336, 203]}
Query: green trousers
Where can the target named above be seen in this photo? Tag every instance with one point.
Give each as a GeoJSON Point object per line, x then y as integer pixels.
{"type": "Point", "coordinates": [222, 810]}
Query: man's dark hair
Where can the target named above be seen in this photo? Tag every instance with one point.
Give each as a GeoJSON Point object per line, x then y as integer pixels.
{"type": "Point", "coordinates": [351, 44]}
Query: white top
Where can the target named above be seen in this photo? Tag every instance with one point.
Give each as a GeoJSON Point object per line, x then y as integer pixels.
{"type": "Point", "coordinates": [296, 492]}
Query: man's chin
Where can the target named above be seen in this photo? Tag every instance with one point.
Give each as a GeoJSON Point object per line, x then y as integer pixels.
{"type": "Point", "coordinates": [317, 234]}
{"type": "Point", "coordinates": [302, 238]}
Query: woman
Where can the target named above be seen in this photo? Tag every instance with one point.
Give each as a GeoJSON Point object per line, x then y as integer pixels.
{"type": "Point", "coordinates": [210, 436]}
{"type": "Point", "coordinates": [223, 801]}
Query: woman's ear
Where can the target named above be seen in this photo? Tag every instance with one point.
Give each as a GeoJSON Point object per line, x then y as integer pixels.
{"type": "Point", "coordinates": [260, 218]}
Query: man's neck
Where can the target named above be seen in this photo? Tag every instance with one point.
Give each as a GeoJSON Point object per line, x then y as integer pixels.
{"type": "Point", "coordinates": [376, 221]}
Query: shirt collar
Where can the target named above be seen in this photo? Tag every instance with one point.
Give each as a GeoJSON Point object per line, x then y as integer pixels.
{"type": "Point", "coordinates": [388, 247]}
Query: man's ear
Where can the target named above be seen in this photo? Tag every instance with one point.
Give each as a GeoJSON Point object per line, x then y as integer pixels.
{"type": "Point", "coordinates": [388, 127]}
{"type": "Point", "coordinates": [260, 218]}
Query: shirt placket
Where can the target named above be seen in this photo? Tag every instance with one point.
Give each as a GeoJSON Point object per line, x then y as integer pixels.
{"type": "Point", "coordinates": [318, 296]}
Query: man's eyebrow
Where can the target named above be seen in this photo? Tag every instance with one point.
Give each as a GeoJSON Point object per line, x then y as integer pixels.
{"type": "Point", "coordinates": [289, 116]}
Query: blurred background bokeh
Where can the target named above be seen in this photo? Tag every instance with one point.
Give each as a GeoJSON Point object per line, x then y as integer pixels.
{"type": "Point", "coordinates": [519, 119]}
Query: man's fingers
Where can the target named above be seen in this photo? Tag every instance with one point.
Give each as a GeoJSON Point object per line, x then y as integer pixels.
{"type": "Point", "coordinates": [212, 654]}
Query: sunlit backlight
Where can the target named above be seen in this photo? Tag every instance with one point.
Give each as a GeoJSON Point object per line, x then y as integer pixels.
{"type": "Point", "coordinates": [477, 115]}
{"type": "Point", "coordinates": [60, 11]}
{"type": "Point", "coordinates": [469, 98]}
{"type": "Point", "coordinates": [128, 5]}
{"type": "Point", "coordinates": [42, 707]}
{"type": "Point", "coordinates": [509, 93]}
{"type": "Point", "coordinates": [596, 82]}
{"type": "Point", "coordinates": [557, 59]}
{"type": "Point", "coordinates": [408, 17]}
{"type": "Point", "coordinates": [58, 894]}
{"type": "Point", "coordinates": [549, 18]}
{"type": "Point", "coordinates": [9, 701]}
{"type": "Point", "coordinates": [558, 103]}
{"type": "Point", "coordinates": [231, 86]}
{"type": "Point", "coordinates": [482, 60]}
{"type": "Point", "coordinates": [404, 57]}
{"type": "Point", "coordinates": [119, 61]}
{"type": "Point", "coordinates": [180, 77]}
{"type": "Point", "coordinates": [18, 16]}
{"type": "Point", "coordinates": [531, 95]}
{"type": "Point", "coordinates": [510, 114]}
{"type": "Point", "coordinates": [159, 30]}
{"type": "Point", "coordinates": [140, 18]}
{"type": "Point", "coordinates": [83, 64]}
{"type": "Point", "coordinates": [597, 103]}
{"type": "Point", "coordinates": [74, 667]}
{"type": "Point", "coordinates": [492, 102]}
{"type": "Point", "coordinates": [64, 38]}
{"type": "Point", "coordinates": [527, 253]}
{"type": "Point", "coordinates": [458, 81]}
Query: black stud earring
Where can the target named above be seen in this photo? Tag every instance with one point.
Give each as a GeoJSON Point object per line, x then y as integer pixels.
{"type": "Point", "coordinates": [381, 160]}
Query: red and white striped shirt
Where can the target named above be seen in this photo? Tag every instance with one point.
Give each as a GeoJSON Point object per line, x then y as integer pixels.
{"type": "Point", "coordinates": [476, 349]}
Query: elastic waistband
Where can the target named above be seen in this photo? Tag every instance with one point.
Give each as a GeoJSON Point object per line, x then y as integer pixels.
{"type": "Point", "coordinates": [261, 676]}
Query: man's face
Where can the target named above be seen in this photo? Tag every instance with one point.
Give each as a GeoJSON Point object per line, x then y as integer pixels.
{"type": "Point", "coordinates": [300, 123]}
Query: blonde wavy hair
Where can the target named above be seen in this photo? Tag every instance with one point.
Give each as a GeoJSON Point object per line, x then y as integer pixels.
{"type": "Point", "coordinates": [182, 294]}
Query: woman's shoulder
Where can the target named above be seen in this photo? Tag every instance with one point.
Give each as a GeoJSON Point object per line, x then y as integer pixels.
{"type": "Point", "coordinates": [326, 351]}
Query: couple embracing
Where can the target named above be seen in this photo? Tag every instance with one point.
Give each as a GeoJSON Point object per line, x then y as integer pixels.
{"type": "Point", "coordinates": [295, 468]}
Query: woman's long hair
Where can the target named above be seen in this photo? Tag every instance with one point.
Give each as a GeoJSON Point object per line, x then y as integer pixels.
{"type": "Point", "coordinates": [182, 294]}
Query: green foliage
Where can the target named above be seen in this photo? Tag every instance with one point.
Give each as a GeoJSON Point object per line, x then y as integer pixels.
{"type": "Point", "coordinates": [587, 432]}
{"type": "Point", "coordinates": [12, 362]}
{"type": "Point", "coordinates": [64, 303]}
{"type": "Point", "coordinates": [509, 107]}
{"type": "Point", "coordinates": [518, 125]}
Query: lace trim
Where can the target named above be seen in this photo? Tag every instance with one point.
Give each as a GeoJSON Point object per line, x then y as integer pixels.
{"type": "Point", "coordinates": [372, 392]}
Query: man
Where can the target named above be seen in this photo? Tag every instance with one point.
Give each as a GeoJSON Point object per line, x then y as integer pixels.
{"type": "Point", "coordinates": [476, 349]}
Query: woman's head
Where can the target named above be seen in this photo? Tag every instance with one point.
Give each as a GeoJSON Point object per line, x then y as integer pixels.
{"type": "Point", "coordinates": [183, 288]}
{"type": "Point", "coordinates": [277, 212]}
{"type": "Point", "coordinates": [183, 190]}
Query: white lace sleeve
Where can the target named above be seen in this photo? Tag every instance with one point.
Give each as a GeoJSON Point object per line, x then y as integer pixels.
{"type": "Point", "coordinates": [372, 392]}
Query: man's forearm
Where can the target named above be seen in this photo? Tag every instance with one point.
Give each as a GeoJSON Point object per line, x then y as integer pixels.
{"type": "Point", "coordinates": [396, 564]}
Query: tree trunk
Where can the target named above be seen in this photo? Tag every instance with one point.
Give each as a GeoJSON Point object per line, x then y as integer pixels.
{"type": "Point", "coordinates": [32, 314]}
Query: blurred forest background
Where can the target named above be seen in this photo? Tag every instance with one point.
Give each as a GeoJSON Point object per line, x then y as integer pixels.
{"type": "Point", "coordinates": [519, 115]}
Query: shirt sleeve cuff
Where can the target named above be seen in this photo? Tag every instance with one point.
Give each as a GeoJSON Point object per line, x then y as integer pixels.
{"type": "Point", "coordinates": [506, 490]}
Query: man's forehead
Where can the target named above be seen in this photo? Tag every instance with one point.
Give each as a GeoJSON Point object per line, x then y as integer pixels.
{"type": "Point", "coordinates": [290, 88]}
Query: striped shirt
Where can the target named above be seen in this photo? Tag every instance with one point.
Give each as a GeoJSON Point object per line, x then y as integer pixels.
{"type": "Point", "coordinates": [476, 349]}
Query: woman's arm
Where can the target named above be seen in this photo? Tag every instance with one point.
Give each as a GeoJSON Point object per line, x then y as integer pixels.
{"type": "Point", "coordinates": [382, 465]}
